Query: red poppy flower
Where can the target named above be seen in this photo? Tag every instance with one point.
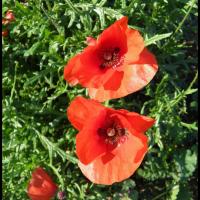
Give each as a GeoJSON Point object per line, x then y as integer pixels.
{"type": "Point", "coordinates": [5, 33]}
{"type": "Point", "coordinates": [41, 186]}
{"type": "Point", "coordinates": [5, 21]}
{"type": "Point", "coordinates": [114, 65]}
{"type": "Point", "coordinates": [111, 143]}
{"type": "Point", "coordinates": [10, 16]}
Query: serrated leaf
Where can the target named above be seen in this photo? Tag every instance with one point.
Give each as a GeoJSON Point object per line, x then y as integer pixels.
{"type": "Point", "coordinates": [100, 12]}
{"type": "Point", "coordinates": [21, 7]}
{"type": "Point", "coordinates": [137, 28]}
{"type": "Point", "coordinates": [38, 76]}
{"type": "Point", "coordinates": [32, 50]}
{"type": "Point", "coordinates": [53, 47]}
{"type": "Point", "coordinates": [192, 126]}
{"type": "Point", "coordinates": [101, 3]}
{"type": "Point", "coordinates": [123, 3]}
{"type": "Point", "coordinates": [191, 91]}
{"type": "Point", "coordinates": [113, 13]}
{"type": "Point", "coordinates": [187, 161]}
{"type": "Point", "coordinates": [174, 192]}
{"type": "Point", "coordinates": [53, 148]}
{"type": "Point", "coordinates": [72, 19]}
{"type": "Point", "coordinates": [156, 38]}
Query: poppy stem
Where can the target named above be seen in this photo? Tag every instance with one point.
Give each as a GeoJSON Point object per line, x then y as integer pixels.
{"type": "Point", "coordinates": [14, 83]}
{"type": "Point", "coordinates": [193, 81]}
{"type": "Point", "coordinates": [185, 17]}
{"type": "Point", "coordinates": [58, 175]}
{"type": "Point", "coordinates": [50, 19]}
{"type": "Point", "coordinates": [70, 4]}
{"type": "Point", "coordinates": [167, 190]}
{"type": "Point", "coordinates": [183, 94]}
{"type": "Point", "coordinates": [180, 24]}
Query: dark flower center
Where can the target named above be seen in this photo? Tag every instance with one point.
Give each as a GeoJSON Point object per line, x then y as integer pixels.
{"type": "Point", "coordinates": [111, 58]}
{"type": "Point", "coordinates": [113, 135]}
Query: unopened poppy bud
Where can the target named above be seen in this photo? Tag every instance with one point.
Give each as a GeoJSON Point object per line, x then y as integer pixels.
{"type": "Point", "coordinates": [10, 16]}
{"type": "Point", "coordinates": [41, 186]}
{"type": "Point", "coordinates": [5, 33]}
{"type": "Point", "coordinates": [61, 195]}
{"type": "Point", "coordinates": [5, 21]}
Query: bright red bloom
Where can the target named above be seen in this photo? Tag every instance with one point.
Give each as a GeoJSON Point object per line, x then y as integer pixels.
{"type": "Point", "coordinates": [41, 186]}
{"type": "Point", "coordinates": [5, 33]}
{"type": "Point", "coordinates": [5, 21]}
{"type": "Point", "coordinates": [114, 65]}
{"type": "Point", "coordinates": [111, 143]}
{"type": "Point", "coordinates": [10, 16]}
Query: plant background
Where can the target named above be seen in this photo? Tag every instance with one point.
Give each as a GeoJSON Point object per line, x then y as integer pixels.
{"type": "Point", "coordinates": [36, 131]}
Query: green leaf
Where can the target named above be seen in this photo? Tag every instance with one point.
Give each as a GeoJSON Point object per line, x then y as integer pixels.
{"type": "Point", "coordinates": [174, 192]}
{"type": "Point", "coordinates": [123, 3]}
{"type": "Point", "coordinates": [32, 50]}
{"type": "Point", "coordinates": [191, 91]}
{"type": "Point", "coordinates": [4, 9]}
{"type": "Point", "coordinates": [101, 3]}
{"type": "Point", "coordinates": [137, 28]}
{"type": "Point", "coordinates": [52, 147]}
{"type": "Point", "coordinates": [100, 12]}
{"type": "Point", "coordinates": [187, 161]}
{"type": "Point", "coordinates": [72, 19]}
{"type": "Point", "coordinates": [184, 193]}
{"type": "Point", "coordinates": [156, 38]}
{"type": "Point", "coordinates": [192, 126]}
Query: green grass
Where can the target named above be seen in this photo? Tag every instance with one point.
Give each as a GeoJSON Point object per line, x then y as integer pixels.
{"type": "Point", "coordinates": [36, 131]}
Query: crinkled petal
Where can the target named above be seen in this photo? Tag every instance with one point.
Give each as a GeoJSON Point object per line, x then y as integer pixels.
{"type": "Point", "coordinates": [81, 109]}
{"type": "Point", "coordinates": [114, 36]}
{"type": "Point", "coordinates": [135, 45]}
{"type": "Point", "coordinates": [118, 165]}
{"type": "Point", "coordinates": [71, 70]}
{"type": "Point", "coordinates": [138, 122]}
{"type": "Point", "coordinates": [136, 76]}
{"type": "Point", "coordinates": [123, 22]}
{"type": "Point", "coordinates": [89, 144]}
{"type": "Point", "coordinates": [114, 82]}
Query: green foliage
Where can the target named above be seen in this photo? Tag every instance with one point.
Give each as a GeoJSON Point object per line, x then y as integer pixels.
{"type": "Point", "coordinates": [36, 132]}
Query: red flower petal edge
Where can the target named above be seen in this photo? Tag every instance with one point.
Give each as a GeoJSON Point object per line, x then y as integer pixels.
{"type": "Point", "coordinates": [111, 143]}
{"type": "Point", "coordinates": [41, 186]}
{"type": "Point", "coordinates": [114, 65]}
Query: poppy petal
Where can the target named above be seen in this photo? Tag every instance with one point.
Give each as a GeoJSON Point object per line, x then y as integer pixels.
{"type": "Point", "coordinates": [139, 122]}
{"type": "Point", "coordinates": [90, 41]}
{"type": "Point", "coordinates": [89, 144]}
{"type": "Point", "coordinates": [123, 22]}
{"type": "Point", "coordinates": [136, 76]}
{"type": "Point", "coordinates": [135, 44]}
{"type": "Point", "coordinates": [79, 110]}
{"type": "Point", "coordinates": [117, 165]}
{"type": "Point", "coordinates": [41, 186]}
{"type": "Point", "coordinates": [90, 73]}
{"type": "Point", "coordinates": [84, 69]}
{"type": "Point", "coordinates": [71, 70]}
{"type": "Point", "coordinates": [112, 37]}
{"type": "Point", "coordinates": [114, 82]}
